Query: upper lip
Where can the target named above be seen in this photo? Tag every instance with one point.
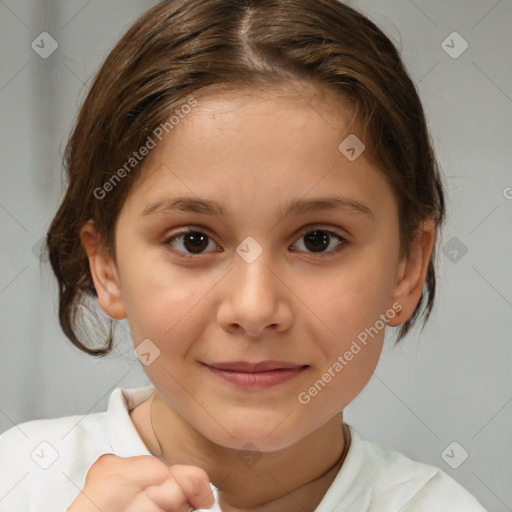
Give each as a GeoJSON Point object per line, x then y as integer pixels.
{"type": "Point", "coordinates": [261, 366]}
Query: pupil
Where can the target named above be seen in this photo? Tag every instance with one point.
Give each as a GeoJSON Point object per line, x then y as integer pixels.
{"type": "Point", "coordinates": [197, 240]}
{"type": "Point", "coordinates": [318, 238]}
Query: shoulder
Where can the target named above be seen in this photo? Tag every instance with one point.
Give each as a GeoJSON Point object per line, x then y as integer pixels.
{"type": "Point", "coordinates": [49, 457]}
{"type": "Point", "coordinates": [398, 481]}
{"type": "Point", "coordinates": [44, 463]}
{"type": "Point", "coordinates": [50, 439]}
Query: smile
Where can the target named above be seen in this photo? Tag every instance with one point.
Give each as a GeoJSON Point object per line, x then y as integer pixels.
{"type": "Point", "coordinates": [256, 375]}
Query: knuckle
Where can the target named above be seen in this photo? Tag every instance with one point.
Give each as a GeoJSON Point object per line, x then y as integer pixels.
{"type": "Point", "coordinates": [191, 479]}
{"type": "Point", "coordinates": [189, 471]}
{"type": "Point", "coordinates": [105, 459]}
{"type": "Point", "coordinates": [145, 470]}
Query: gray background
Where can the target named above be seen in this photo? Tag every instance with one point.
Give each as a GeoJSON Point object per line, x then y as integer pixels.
{"type": "Point", "coordinates": [450, 383]}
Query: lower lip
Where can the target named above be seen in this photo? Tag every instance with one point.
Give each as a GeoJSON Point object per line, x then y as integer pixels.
{"type": "Point", "coordinates": [257, 380]}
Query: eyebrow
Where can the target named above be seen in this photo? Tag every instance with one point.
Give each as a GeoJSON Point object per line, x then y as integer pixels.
{"type": "Point", "coordinates": [297, 206]}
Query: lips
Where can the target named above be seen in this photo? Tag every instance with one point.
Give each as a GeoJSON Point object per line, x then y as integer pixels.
{"type": "Point", "coordinates": [262, 366]}
{"type": "Point", "coordinates": [260, 375]}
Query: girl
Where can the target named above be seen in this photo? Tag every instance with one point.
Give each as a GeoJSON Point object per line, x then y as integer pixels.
{"type": "Point", "coordinates": [251, 184]}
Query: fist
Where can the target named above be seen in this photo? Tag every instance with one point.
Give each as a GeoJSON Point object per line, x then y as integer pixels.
{"type": "Point", "coordinates": [142, 484]}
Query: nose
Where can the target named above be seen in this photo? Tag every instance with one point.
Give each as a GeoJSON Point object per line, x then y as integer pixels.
{"type": "Point", "coordinates": [255, 299]}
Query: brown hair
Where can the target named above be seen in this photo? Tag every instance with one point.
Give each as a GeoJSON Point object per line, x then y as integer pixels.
{"type": "Point", "coordinates": [181, 47]}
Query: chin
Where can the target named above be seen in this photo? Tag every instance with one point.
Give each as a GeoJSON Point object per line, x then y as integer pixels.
{"type": "Point", "coordinates": [246, 433]}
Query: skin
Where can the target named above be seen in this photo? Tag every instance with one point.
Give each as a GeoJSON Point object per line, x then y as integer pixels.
{"type": "Point", "coordinates": [254, 151]}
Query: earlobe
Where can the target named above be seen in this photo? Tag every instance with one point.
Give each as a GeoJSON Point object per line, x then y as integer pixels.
{"type": "Point", "coordinates": [104, 273]}
{"type": "Point", "coordinates": [412, 273]}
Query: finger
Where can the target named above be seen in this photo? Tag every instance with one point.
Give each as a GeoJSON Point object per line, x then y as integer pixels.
{"type": "Point", "coordinates": [195, 484]}
{"type": "Point", "coordinates": [168, 496]}
{"type": "Point", "coordinates": [144, 504]}
{"type": "Point", "coordinates": [145, 470]}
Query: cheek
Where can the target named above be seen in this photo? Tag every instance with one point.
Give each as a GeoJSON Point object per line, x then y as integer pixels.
{"type": "Point", "coordinates": [350, 304]}
{"type": "Point", "coordinates": [340, 382]}
{"type": "Point", "coordinates": [352, 298]}
{"type": "Point", "coordinates": [163, 303]}
{"type": "Point", "coordinates": [351, 347]}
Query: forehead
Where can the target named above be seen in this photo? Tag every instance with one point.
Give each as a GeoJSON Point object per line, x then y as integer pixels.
{"type": "Point", "coordinates": [317, 104]}
{"type": "Point", "coordinates": [275, 123]}
{"type": "Point", "coordinates": [240, 146]}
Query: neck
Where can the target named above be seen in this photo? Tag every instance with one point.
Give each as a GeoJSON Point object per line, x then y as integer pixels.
{"type": "Point", "coordinates": [289, 480]}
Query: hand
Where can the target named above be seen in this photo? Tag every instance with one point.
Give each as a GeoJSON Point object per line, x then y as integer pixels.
{"type": "Point", "coordinates": [142, 484]}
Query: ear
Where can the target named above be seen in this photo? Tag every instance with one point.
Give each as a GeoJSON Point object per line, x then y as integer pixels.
{"type": "Point", "coordinates": [412, 273]}
{"type": "Point", "coordinates": [104, 273]}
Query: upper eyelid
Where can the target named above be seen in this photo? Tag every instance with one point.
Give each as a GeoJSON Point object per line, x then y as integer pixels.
{"type": "Point", "coordinates": [306, 229]}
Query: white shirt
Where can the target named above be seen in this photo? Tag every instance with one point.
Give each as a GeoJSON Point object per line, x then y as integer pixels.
{"type": "Point", "coordinates": [43, 465]}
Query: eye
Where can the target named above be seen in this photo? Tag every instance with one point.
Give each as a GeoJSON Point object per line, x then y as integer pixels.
{"type": "Point", "coordinates": [194, 242]}
{"type": "Point", "coordinates": [319, 240]}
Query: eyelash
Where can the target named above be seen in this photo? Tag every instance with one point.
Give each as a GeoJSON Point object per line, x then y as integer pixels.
{"type": "Point", "coordinates": [326, 254]}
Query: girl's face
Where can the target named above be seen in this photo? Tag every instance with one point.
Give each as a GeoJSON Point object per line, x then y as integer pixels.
{"type": "Point", "coordinates": [306, 288]}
